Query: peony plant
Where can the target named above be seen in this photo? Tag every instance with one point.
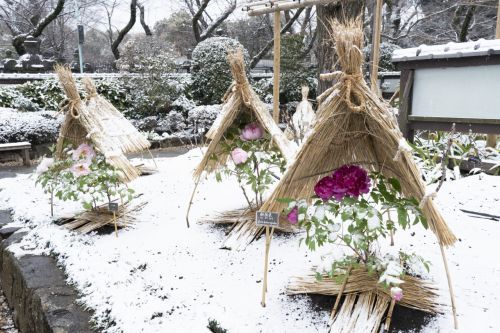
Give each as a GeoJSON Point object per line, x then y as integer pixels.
{"type": "Point", "coordinates": [255, 161]}
{"type": "Point", "coordinates": [357, 210]}
{"type": "Point", "coordinates": [84, 175]}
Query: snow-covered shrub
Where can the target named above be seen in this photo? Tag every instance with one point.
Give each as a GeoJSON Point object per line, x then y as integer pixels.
{"type": "Point", "coordinates": [115, 91]}
{"type": "Point", "coordinates": [7, 96]}
{"type": "Point", "coordinates": [183, 105]}
{"type": "Point", "coordinates": [210, 69]}
{"type": "Point", "coordinates": [203, 116]}
{"type": "Point", "coordinates": [151, 88]}
{"type": "Point", "coordinates": [35, 127]}
{"type": "Point", "coordinates": [175, 122]}
{"type": "Point", "coordinates": [47, 94]}
{"type": "Point", "coordinates": [385, 64]}
{"type": "Point", "coordinates": [264, 88]}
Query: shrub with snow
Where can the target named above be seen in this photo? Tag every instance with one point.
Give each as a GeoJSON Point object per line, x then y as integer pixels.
{"type": "Point", "coordinates": [35, 127]}
{"type": "Point", "coordinates": [210, 69]}
{"type": "Point", "coordinates": [385, 64]}
{"type": "Point", "coordinates": [203, 116]}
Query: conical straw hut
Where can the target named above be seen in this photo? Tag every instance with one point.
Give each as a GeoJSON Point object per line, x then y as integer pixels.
{"type": "Point", "coordinates": [354, 126]}
{"type": "Point", "coordinates": [240, 100]}
{"type": "Point", "coordinates": [96, 120]}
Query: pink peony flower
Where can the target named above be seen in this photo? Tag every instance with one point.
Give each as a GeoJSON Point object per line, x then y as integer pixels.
{"type": "Point", "coordinates": [325, 188]}
{"type": "Point", "coordinates": [396, 293]}
{"type": "Point", "coordinates": [293, 216]}
{"type": "Point", "coordinates": [251, 132]}
{"type": "Point", "coordinates": [44, 165]}
{"type": "Point", "coordinates": [239, 156]}
{"type": "Point", "coordinates": [83, 152]}
{"type": "Point", "coordinates": [350, 180]}
{"type": "Point", "coordinates": [80, 169]}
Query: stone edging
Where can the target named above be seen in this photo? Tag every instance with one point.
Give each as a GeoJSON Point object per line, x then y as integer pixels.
{"type": "Point", "coordinates": [36, 290]}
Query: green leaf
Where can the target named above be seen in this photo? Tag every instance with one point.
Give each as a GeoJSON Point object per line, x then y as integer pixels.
{"type": "Point", "coordinates": [395, 184]}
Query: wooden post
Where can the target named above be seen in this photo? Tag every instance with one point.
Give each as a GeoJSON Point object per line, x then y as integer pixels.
{"type": "Point", "coordinates": [376, 46]}
{"type": "Point", "coordinates": [276, 67]}
{"type": "Point", "coordinates": [269, 235]}
{"type": "Point", "coordinates": [116, 226]}
{"type": "Point", "coordinates": [491, 140]}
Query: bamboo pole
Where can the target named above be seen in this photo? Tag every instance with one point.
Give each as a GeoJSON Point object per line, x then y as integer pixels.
{"type": "Point", "coordinates": [376, 46]}
{"type": "Point", "coordinates": [276, 70]}
{"type": "Point", "coordinates": [191, 200]}
{"type": "Point", "coordinates": [491, 139]}
{"type": "Point", "coordinates": [341, 291]}
{"type": "Point", "coordinates": [389, 316]}
{"type": "Point", "coordinates": [450, 287]}
{"type": "Point", "coordinates": [277, 6]}
{"type": "Point", "coordinates": [269, 235]}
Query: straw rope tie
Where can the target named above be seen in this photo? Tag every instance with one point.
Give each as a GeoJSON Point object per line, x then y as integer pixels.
{"type": "Point", "coordinates": [348, 80]}
{"type": "Point", "coordinates": [70, 106]}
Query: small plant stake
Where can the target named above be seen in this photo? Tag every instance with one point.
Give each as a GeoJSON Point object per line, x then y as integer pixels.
{"type": "Point", "coordinates": [113, 207]}
{"type": "Point", "coordinates": [268, 220]}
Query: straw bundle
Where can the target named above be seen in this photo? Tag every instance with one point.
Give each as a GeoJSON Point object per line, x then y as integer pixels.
{"type": "Point", "coordinates": [354, 126]}
{"type": "Point", "coordinates": [243, 231]}
{"type": "Point", "coordinates": [240, 99]}
{"type": "Point", "coordinates": [360, 313]}
{"type": "Point", "coordinates": [418, 294]}
{"type": "Point", "coordinates": [98, 121]}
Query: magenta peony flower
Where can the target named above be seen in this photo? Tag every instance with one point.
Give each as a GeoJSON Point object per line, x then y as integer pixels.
{"type": "Point", "coordinates": [293, 216]}
{"type": "Point", "coordinates": [325, 188]}
{"type": "Point", "coordinates": [83, 152]}
{"type": "Point", "coordinates": [350, 180]}
{"type": "Point", "coordinates": [80, 169]}
{"type": "Point", "coordinates": [251, 132]}
{"type": "Point", "coordinates": [239, 156]}
{"type": "Point", "coordinates": [396, 293]}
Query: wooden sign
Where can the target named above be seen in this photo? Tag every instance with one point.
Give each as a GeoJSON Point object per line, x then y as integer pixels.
{"type": "Point", "coordinates": [267, 219]}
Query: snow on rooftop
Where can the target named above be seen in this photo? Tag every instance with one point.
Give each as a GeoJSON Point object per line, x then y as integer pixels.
{"type": "Point", "coordinates": [481, 47]}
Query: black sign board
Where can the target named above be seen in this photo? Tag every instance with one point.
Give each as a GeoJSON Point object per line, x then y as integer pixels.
{"type": "Point", "coordinates": [113, 207]}
{"type": "Point", "coordinates": [267, 219]}
{"type": "Point", "coordinates": [81, 36]}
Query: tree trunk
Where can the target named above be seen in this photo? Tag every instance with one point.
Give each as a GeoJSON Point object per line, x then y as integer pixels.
{"type": "Point", "coordinates": [125, 30]}
{"type": "Point", "coordinates": [325, 53]}
{"type": "Point", "coordinates": [18, 41]}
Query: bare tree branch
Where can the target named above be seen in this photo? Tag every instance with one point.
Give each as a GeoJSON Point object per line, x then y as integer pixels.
{"type": "Point", "coordinates": [211, 28]}
{"type": "Point", "coordinates": [122, 33]}
{"type": "Point", "coordinates": [146, 28]}
{"type": "Point", "coordinates": [19, 39]}
{"type": "Point", "coordinates": [269, 44]}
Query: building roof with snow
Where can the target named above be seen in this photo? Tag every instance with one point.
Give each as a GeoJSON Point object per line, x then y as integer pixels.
{"type": "Point", "coordinates": [477, 48]}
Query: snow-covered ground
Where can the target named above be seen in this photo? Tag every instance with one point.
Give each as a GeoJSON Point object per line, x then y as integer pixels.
{"type": "Point", "coordinates": [160, 276]}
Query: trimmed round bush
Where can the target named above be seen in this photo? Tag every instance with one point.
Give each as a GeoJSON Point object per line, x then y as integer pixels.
{"type": "Point", "coordinates": [210, 69]}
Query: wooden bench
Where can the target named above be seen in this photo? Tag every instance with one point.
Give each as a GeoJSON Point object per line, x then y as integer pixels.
{"type": "Point", "coordinates": [23, 147]}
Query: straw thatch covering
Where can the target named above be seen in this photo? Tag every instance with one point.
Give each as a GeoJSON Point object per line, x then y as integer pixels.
{"type": "Point", "coordinates": [89, 221]}
{"type": "Point", "coordinates": [365, 301]}
{"type": "Point", "coordinates": [240, 99]}
{"type": "Point", "coordinates": [98, 121]}
{"type": "Point", "coordinates": [243, 230]}
{"type": "Point", "coordinates": [354, 126]}
{"type": "Point", "coordinates": [418, 294]}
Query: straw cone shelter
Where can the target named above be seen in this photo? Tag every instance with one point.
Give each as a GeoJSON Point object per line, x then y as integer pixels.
{"type": "Point", "coordinates": [96, 120]}
{"type": "Point", "coordinates": [240, 99]}
{"type": "Point", "coordinates": [354, 126]}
